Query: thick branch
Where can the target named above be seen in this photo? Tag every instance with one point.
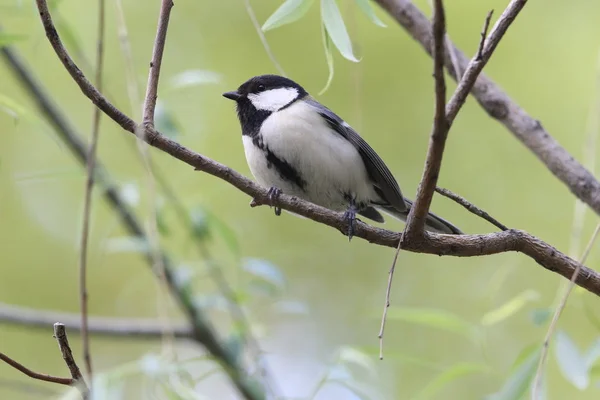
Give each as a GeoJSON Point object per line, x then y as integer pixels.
{"type": "Point", "coordinates": [454, 245]}
{"type": "Point", "coordinates": [501, 107]}
{"type": "Point", "coordinates": [133, 328]}
{"type": "Point", "coordinates": [155, 64]}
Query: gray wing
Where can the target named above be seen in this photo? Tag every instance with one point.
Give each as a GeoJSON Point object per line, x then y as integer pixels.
{"type": "Point", "coordinates": [382, 178]}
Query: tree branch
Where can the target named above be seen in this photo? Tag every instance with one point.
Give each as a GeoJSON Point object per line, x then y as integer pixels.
{"type": "Point", "coordinates": [455, 245]}
{"type": "Point", "coordinates": [471, 207]}
{"type": "Point", "coordinates": [501, 107]}
{"type": "Point", "coordinates": [415, 223]}
{"type": "Point", "coordinates": [138, 328]}
{"type": "Point", "coordinates": [155, 64]}
{"type": "Point", "coordinates": [35, 375]}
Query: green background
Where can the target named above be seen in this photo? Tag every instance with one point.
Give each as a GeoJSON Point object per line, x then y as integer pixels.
{"type": "Point", "coordinates": [547, 63]}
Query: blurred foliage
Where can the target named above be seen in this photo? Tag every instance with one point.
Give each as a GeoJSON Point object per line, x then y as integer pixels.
{"type": "Point", "coordinates": [457, 328]}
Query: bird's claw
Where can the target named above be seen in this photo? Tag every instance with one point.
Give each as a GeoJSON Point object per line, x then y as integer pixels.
{"type": "Point", "coordinates": [272, 195]}
{"type": "Point", "coordinates": [350, 217]}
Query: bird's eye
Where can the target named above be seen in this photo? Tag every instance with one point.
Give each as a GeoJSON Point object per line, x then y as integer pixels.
{"type": "Point", "coordinates": [261, 88]}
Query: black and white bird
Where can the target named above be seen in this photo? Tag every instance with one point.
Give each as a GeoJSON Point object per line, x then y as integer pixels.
{"type": "Point", "coordinates": [297, 146]}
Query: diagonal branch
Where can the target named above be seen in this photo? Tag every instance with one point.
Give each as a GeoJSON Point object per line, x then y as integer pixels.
{"type": "Point", "coordinates": [155, 64]}
{"type": "Point", "coordinates": [501, 107]}
{"type": "Point", "coordinates": [454, 245]}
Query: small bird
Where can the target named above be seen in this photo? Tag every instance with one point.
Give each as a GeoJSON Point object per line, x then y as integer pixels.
{"type": "Point", "coordinates": [297, 146]}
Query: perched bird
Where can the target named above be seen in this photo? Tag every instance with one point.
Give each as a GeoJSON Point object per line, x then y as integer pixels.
{"type": "Point", "coordinates": [297, 146]}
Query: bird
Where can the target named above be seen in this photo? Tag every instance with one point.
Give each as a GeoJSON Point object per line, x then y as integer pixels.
{"type": "Point", "coordinates": [297, 146]}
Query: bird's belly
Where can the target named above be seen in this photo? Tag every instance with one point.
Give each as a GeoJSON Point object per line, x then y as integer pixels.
{"type": "Point", "coordinates": [330, 169]}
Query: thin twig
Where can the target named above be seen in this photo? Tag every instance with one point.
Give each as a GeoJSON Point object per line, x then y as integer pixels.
{"type": "Point", "coordinates": [263, 38]}
{"type": "Point", "coordinates": [138, 328]}
{"type": "Point", "coordinates": [87, 205]}
{"type": "Point", "coordinates": [537, 382]}
{"type": "Point", "coordinates": [471, 207]}
{"type": "Point", "coordinates": [477, 63]}
{"type": "Point", "coordinates": [386, 306]}
{"type": "Point", "coordinates": [484, 31]}
{"type": "Point", "coordinates": [155, 64]}
{"type": "Point", "coordinates": [60, 334]}
{"type": "Point", "coordinates": [35, 375]}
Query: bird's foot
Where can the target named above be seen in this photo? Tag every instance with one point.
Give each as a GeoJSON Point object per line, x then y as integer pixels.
{"type": "Point", "coordinates": [350, 217]}
{"type": "Point", "coordinates": [273, 194]}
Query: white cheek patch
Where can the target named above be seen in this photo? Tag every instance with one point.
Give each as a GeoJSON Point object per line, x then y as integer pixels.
{"type": "Point", "coordinates": [274, 99]}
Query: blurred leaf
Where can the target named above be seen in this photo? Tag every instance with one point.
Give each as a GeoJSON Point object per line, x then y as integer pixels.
{"type": "Point", "coordinates": [226, 232]}
{"type": "Point", "coordinates": [539, 316]}
{"type": "Point", "coordinates": [265, 271]}
{"type": "Point", "coordinates": [259, 287]}
{"type": "Point", "coordinates": [194, 77]}
{"type": "Point", "coordinates": [151, 365]}
{"type": "Point", "coordinates": [127, 244]}
{"type": "Point", "coordinates": [6, 39]}
{"type": "Point", "coordinates": [592, 354]}
{"type": "Point", "coordinates": [518, 383]}
{"type": "Point", "coordinates": [130, 194]}
{"type": "Point", "coordinates": [453, 373]}
{"type": "Point", "coordinates": [351, 387]}
{"type": "Point", "coordinates": [161, 222]}
{"type": "Point", "coordinates": [290, 11]}
{"type": "Point", "coordinates": [328, 57]}
{"type": "Point", "coordinates": [166, 122]}
{"type": "Point", "coordinates": [571, 363]}
{"type": "Point", "coordinates": [212, 302]}
{"type": "Point", "coordinates": [339, 372]}
{"type": "Point", "coordinates": [509, 308]}
{"type": "Point", "coordinates": [200, 223]}
{"type": "Point", "coordinates": [334, 23]}
{"type": "Point", "coordinates": [354, 356]}
{"type": "Point", "coordinates": [11, 107]}
{"type": "Point", "coordinates": [365, 6]}
{"type": "Point", "coordinates": [432, 318]}
{"type": "Point", "coordinates": [183, 276]}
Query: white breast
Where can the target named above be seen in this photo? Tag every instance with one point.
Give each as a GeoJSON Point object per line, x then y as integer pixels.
{"type": "Point", "coordinates": [329, 164]}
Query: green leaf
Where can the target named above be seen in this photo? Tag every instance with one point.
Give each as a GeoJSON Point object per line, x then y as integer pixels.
{"type": "Point", "coordinates": [226, 233]}
{"type": "Point", "coordinates": [11, 107]}
{"type": "Point", "coordinates": [328, 57]}
{"type": "Point", "coordinates": [539, 316]}
{"type": "Point", "coordinates": [265, 271]}
{"type": "Point", "coordinates": [518, 383]}
{"type": "Point", "coordinates": [334, 23]}
{"type": "Point", "coordinates": [571, 363]}
{"type": "Point", "coordinates": [509, 308]}
{"type": "Point", "coordinates": [351, 387]}
{"type": "Point", "coordinates": [290, 11]}
{"type": "Point", "coordinates": [354, 356]}
{"type": "Point", "coordinates": [365, 6]}
{"type": "Point", "coordinates": [453, 373]}
{"type": "Point", "coordinates": [200, 223]}
{"type": "Point", "coordinates": [433, 318]}
{"type": "Point", "coordinates": [6, 39]}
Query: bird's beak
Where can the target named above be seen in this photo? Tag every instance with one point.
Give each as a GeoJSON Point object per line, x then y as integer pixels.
{"type": "Point", "coordinates": [232, 95]}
